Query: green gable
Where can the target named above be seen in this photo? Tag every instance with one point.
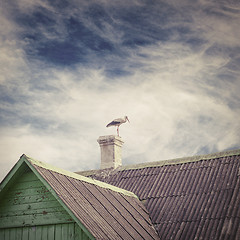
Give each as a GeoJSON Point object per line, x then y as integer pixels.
{"type": "Point", "coordinates": [39, 201]}
{"type": "Point", "coordinates": [65, 231]}
{"type": "Point", "coordinates": [29, 209]}
{"type": "Point", "coordinates": [29, 203]}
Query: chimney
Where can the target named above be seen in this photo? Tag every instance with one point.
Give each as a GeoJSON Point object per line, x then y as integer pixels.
{"type": "Point", "coordinates": [111, 151]}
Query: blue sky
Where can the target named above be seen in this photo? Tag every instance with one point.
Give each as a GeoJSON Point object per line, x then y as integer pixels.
{"type": "Point", "coordinates": [70, 67]}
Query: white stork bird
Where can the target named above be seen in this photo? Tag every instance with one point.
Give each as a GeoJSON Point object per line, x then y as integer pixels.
{"type": "Point", "coordinates": [117, 122]}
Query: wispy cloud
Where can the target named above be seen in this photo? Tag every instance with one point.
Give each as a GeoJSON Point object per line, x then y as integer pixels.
{"type": "Point", "coordinates": [67, 70]}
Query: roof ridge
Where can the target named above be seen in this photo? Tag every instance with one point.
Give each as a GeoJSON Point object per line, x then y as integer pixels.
{"type": "Point", "coordinates": [165, 162]}
{"type": "Point", "coordinates": [78, 176]}
{"type": "Point", "coordinates": [181, 160]}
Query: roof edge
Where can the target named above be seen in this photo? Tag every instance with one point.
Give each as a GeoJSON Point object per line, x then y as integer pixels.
{"type": "Point", "coordinates": [79, 177]}
{"type": "Point", "coordinates": [182, 160]}
{"type": "Point", "coordinates": [167, 162]}
{"type": "Point", "coordinates": [11, 174]}
{"type": "Point", "coordinates": [26, 160]}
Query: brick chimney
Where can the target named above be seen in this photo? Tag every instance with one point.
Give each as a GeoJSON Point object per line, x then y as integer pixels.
{"type": "Point", "coordinates": [111, 151]}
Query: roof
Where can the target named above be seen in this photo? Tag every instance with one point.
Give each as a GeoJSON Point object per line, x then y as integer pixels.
{"type": "Point", "coordinates": [188, 198]}
{"type": "Point", "coordinates": [107, 212]}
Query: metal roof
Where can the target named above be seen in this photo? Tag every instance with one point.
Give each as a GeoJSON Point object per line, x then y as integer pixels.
{"type": "Point", "coordinates": [187, 198]}
{"type": "Point", "coordinates": [106, 211]}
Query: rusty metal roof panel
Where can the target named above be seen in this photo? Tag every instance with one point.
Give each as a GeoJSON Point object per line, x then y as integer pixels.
{"type": "Point", "coordinates": [196, 198]}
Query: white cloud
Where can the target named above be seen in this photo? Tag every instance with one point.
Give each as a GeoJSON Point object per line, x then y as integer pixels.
{"type": "Point", "coordinates": [171, 114]}
{"type": "Point", "coordinates": [175, 102]}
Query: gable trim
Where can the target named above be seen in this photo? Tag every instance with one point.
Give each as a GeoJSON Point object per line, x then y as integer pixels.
{"type": "Point", "coordinates": [49, 188]}
{"type": "Point", "coordinates": [16, 169]}
{"type": "Point", "coordinates": [19, 168]}
{"type": "Point", "coordinates": [79, 177]}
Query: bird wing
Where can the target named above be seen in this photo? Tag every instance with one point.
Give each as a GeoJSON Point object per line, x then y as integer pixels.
{"type": "Point", "coordinates": [113, 123]}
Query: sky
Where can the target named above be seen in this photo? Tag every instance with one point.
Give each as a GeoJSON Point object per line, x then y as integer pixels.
{"type": "Point", "coordinates": [69, 67]}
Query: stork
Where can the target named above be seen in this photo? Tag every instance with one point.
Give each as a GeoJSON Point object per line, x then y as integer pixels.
{"type": "Point", "coordinates": [117, 122]}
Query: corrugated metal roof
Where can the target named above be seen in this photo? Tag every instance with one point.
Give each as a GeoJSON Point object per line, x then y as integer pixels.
{"type": "Point", "coordinates": [107, 212]}
{"type": "Point", "coordinates": [195, 198]}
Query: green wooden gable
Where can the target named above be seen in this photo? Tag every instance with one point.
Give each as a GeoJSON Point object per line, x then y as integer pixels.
{"type": "Point", "coordinates": [40, 201]}
{"type": "Point", "coordinates": [29, 209]}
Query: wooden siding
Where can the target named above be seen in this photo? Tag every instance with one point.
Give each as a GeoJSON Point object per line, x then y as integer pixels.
{"type": "Point", "coordinates": [29, 203]}
{"type": "Point", "coordinates": [69, 231]}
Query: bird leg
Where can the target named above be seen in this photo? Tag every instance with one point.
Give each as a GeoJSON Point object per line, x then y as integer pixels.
{"type": "Point", "coordinates": [117, 131]}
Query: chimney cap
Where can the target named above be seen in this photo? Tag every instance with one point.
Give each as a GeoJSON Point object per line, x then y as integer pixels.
{"type": "Point", "coordinates": [109, 138]}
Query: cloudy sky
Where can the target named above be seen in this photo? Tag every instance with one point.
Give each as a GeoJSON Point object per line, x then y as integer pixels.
{"type": "Point", "coordinates": [69, 67]}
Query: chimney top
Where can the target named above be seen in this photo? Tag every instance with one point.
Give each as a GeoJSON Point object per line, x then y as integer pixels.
{"type": "Point", "coordinates": [111, 151]}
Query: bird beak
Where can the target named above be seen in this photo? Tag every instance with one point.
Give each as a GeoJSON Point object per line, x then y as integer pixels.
{"type": "Point", "coordinates": [128, 120]}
